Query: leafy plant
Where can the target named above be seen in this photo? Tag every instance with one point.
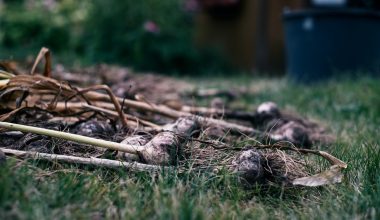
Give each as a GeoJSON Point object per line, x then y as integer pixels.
{"type": "Point", "coordinates": [147, 35]}
{"type": "Point", "coordinates": [33, 25]}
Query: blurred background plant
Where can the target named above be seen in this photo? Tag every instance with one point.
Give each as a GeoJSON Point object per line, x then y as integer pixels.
{"type": "Point", "coordinates": [147, 35]}
{"type": "Point", "coordinates": [27, 25]}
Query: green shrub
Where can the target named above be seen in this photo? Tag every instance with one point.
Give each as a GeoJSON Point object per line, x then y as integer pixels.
{"type": "Point", "coordinates": [116, 32]}
{"type": "Point", "coordinates": [109, 31]}
{"type": "Point", "coordinates": [33, 26]}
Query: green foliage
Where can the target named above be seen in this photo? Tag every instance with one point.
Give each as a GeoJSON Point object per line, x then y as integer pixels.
{"type": "Point", "coordinates": [109, 31]}
{"type": "Point", "coordinates": [35, 25]}
{"type": "Point", "coordinates": [116, 33]}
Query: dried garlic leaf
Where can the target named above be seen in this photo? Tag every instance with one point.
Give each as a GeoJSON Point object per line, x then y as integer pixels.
{"type": "Point", "coordinates": [330, 176]}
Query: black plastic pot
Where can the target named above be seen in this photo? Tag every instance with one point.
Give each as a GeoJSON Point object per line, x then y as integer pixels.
{"type": "Point", "coordinates": [322, 43]}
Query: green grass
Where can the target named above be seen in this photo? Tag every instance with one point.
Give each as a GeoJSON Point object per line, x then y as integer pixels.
{"type": "Point", "coordinates": [350, 109]}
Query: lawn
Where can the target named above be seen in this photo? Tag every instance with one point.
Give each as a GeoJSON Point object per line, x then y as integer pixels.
{"type": "Point", "coordinates": [350, 109]}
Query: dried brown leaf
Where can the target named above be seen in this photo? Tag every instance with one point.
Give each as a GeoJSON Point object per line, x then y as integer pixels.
{"type": "Point", "coordinates": [331, 176]}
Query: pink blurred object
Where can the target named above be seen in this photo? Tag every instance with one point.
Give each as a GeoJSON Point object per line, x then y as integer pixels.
{"type": "Point", "coordinates": [151, 27]}
{"type": "Point", "coordinates": [191, 5]}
